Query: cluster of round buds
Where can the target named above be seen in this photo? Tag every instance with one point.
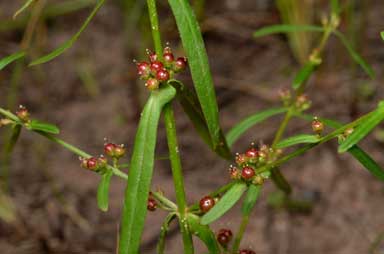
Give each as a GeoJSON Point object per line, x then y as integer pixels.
{"type": "Point", "coordinates": [285, 96]}
{"type": "Point", "coordinates": [302, 103]}
{"type": "Point", "coordinates": [317, 126]}
{"type": "Point", "coordinates": [206, 203]}
{"type": "Point", "coordinates": [224, 236]}
{"type": "Point", "coordinates": [23, 114]}
{"type": "Point", "coordinates": [113, 150]}
{"type": "Point", "coordinates": [155, 71]}
{"type": "Point", "coordinates": [151, 204]}
{"type": "Point", "coordinates": [93, 163]}
{"type": "Point", "coordinates": [246, 251]}
{"type": "Point", "coordinates": [345, 134]}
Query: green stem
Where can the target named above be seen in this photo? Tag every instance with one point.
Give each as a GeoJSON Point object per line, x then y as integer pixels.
{"type": "Point", "coordinates": [240, 233]}
{"type": "Point", "coordinates": [153, 18]}
{"type": "Point", "coordinates": [178, 179]}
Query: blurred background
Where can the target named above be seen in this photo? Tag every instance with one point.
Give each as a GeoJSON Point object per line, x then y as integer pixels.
{"type": "Point", "coordinates": [92, 92]}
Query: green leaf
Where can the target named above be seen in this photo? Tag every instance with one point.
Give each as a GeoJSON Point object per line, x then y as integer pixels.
{"type": "Point", "coordinates": [303, 74]}
{"type": "Point", "coordinates": [355, 56]}
{"type": "Point", "coordinates": [250, 199]}
{"type": "Point", "coordinates": [362, 130]}
{"type": "Point", "coordinates": [23, 8]}
{"type": "Point", "coordinates": [140, 172]}
{"type": "Point", "coordinates": [204, 233]}
{"type": "Point", "coordinates": [284, 28]}
{"type": "Point", "coordinates": [9, 59]}
{"type": "Point", "coordinates": [228, 200]}
{"type": "Point", "coordinates": [103, 190]}
{"type": "Point", "coordinates": [198, 63]}
{"type": "Point", "coordinates": [382, 35]}
{"type": "Point", "coordinates": [234, 134]}
{"type": "Point", "coordinates": [192, 108]}
{"type": "Point", "coordinates": [36, 125]}
{"type": "Point", "coordinates": [70, 42]}
{"type": "Point", "coordinates": [298, 139]}
{"type": "Point", "coordinates": [355, 150]}
{"type": "Point", "coordinates": [367, 162]}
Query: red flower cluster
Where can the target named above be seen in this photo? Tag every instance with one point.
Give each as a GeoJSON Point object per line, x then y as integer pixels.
{"type": "Point", "coordinates": [155, 71]}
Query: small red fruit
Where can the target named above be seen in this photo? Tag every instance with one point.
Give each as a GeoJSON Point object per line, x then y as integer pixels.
{"type": "Point", "coordinates": [152, 204]}
{"type": "Point", "coordinates": [152, 56]}
{"type": "Point", "coordinates": [143, 69]}
{"type": "Point", "coordinates": [206, 204]}
{"type": "Point", "coordinates": [251, 153]}
{"type": "Point", "coordinates": [156, 66]}
{"type": "Point", "coordinates": [224, 236]}
{"type": "Point", "coordinates": [119, 151]}
{"type": "Point", "coordinates": [168, 58]}
{"type": "Point", "coordinates": [109, 149]}
{"type": "Point", "coordinates": [180, 64]}
{"type": "Point", "coordinates": [162, 75]}
{"type": "Point", "coordinates": [317, 126]}
{"type": "Point", "coordinates": [23, 113]}
{"type": "Point", "coordinates": [152, 84]}
{"type": "Point", "coordinates": [247, 173]}
{"type": "Point", "coordinates": [92, 163]}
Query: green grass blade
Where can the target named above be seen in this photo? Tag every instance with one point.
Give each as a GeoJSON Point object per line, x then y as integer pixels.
{"type": "Point", "coordinates": [23, 7]}
{"type": "Point", "coordinates": [362, 130]}
{"type": "Point", "coordinates": [103, 190]}
{"type": "Point", "coordinates": [60, 50]}
{"type": "Point", "coordinates": [36, 125]}
{"type": "Point", "coordinates": [250, 199]}
{"type": "Point", "coordinates": [11, 58]}
{"type": "Point", "coordinates": [198, 62]}
{"type": "Point", "coordinates": [298, 139]}
{"type": "Point", "coordinates": [283, 28]}
{"type": "Point", "coordinates": [355, 56]}
{"type": "Point", "coordinates": [234, 134]}
{"type": "Point", "coordinates": [367, 161]}
{"type": "Point", "coordinates": [192, 108]}
{"type": "Point", "coordinates": [140, 172]}
{"type": "Point", "coordinates": [228, 200]}
{"type": "Point", "coordinates": [204, 233]}
{"type": "Point", "coordinates": [303, 75]}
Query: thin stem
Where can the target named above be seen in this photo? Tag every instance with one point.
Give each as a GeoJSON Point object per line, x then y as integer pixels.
{"type": "Point", "coordinates": [153, 18]}
{"type": "Point", "coordinates": [178, 179]}
{"type": "Point", "coordinates": [240, 233]}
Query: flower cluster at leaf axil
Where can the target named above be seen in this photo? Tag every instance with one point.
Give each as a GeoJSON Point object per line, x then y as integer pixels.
{"type": "Point", "coordinates": [157, 71]}
{"type": "Point", "coordinates": [248, 162]}
{"type": "Point", "coordinates": [300, 102]}
{"type": "Point", "coordinates": [100, 163]}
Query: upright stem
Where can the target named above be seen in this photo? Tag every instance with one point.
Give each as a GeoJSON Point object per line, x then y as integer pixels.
{"type": "Point", "coordinates": [240, 233]}
{"type": "Point", "coordinates": [178, 179]}
{"type": "Point", "coordinates": [170, 127]}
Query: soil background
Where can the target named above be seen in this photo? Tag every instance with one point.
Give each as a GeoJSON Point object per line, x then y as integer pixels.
{"type": "Point", "coordinates": [92, 92]}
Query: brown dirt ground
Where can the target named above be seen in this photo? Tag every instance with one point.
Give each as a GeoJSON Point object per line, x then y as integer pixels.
{"type": "Point", "coordinates": [55, 199]}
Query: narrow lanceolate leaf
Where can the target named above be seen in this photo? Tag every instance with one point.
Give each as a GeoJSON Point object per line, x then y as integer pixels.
{"type": "Point", "coordinates": [362, 130]}
{"type": "Point", "coordinates": [355, 56]}
{"type": "Point", "coordinates": [303, 75]}
{"type": "Point", "coordinates": [228, 200]}
{"type": "Point", "coordinates": [198, 63]}
{"type": "Point", "coordinates": [358, 153]}
{"type": "Point", "coordinates": [140, 172]}
{"type": "Point", "coordinates": [298, 139]}
{"type": "Point", "coordinates": [11, 58]}
{"type": "Point", "coordinates": [204, 233]}
{"type": "Point", "coordinates": [16, 129]}
{"type": "Point", "coordinates": [286, 29]}
{"type": "Point", "coordinates": [71, 41]}
{"type": "Point", "coordinates": [367, 162]}
{"type": "Point", "coordinates": [250, 199]}
{"type": "Point", "coordinates": [192, 108]}
{"type": "Point", "coordinates": [103, 190]}
{"type": "Point", "coordinates": [36, 125]}
{"type": "Point", "coordinates": [234, 134]}
{"type": "Point", "coordinates": [23, 8]}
